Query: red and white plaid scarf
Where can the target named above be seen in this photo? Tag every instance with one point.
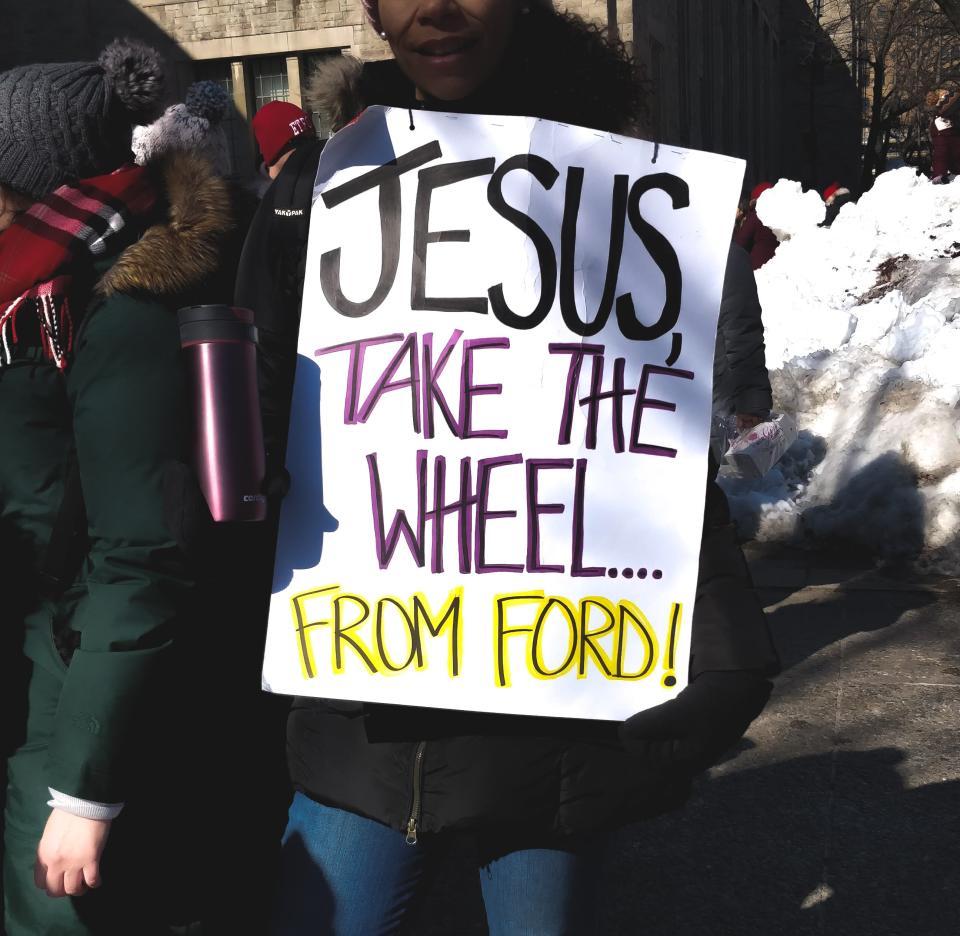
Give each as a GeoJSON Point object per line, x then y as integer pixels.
{"type": "Point", "coordinates": [38, 250]}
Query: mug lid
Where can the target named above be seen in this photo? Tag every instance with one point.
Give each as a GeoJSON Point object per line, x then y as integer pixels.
{"type": "Point", "coordinates": [214, 312]}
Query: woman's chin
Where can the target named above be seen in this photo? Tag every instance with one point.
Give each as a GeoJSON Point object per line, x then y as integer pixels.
{"type": "Point", "coordinates": [449, 89]}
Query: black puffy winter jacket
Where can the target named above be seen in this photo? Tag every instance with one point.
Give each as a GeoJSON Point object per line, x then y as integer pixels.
{"type": "Point", "coordinates": [513, 779]}
{"type": "Point", "coordinates": [270, 281]}
{"type": "Point", "coordinates": [741, 383]}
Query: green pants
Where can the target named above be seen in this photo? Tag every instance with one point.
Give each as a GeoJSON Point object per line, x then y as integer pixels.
{"type": "Point", "coordinates": [126, 904]}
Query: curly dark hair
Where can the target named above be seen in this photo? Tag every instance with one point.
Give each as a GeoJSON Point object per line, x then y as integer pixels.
{"type": "Point", "coordinates": [12, 201]}
{"type": "Point", "coordinates": [567, 69]}
{"type": "Point", "coordinates": [558, 66]}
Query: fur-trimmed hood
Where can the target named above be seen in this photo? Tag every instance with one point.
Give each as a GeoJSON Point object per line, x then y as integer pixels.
{"type": "Point", "coordinates": [333, 90]}
{"type": "Point", "coordinates": [178, 254]}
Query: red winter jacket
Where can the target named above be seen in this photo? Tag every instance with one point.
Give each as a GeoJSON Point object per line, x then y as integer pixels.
{"type": "Point", "coordinates": [757, 239]}
{"type": "Point", "coordinates": [949, 111]}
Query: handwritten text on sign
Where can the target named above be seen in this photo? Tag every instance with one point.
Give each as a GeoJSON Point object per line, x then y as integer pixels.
{"type": "Point", "coordinates": [514, 321]}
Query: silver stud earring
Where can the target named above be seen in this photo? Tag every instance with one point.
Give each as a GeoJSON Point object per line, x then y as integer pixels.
{"type": "Point", "coordinates": [383, 35]}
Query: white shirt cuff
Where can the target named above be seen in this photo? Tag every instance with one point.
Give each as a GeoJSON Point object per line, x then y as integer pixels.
{"type": "Point", "coordinates": [85, 809]}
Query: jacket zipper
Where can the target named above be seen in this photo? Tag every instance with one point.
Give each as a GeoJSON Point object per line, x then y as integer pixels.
{"type": "Point", "coordinates": [414, 821]}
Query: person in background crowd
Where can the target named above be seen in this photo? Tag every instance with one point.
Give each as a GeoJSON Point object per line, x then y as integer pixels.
{"type": "Point", "coordinates": [196, 126]}
{"type": "Point", "coordinates": [382, 788]}
{"type": "Point", "coordinates": [741, 383]}
{"type": "Point", "coordinates": [743, 206]}
{"type": "Point", "coordinates": [753, 235]}
{"type": "Point", "coordinates": [95, 253]}
{"type": "Point", "coordinates": [232, 563]}
{"type": "Point", "coordinates": [944, 134]}
{"type": "Point", "coordinates": [273, 262]}
{"type": "Point", "coordinates": [281, 128]}
{"type": "Point", "coordinates": [835, 196]}
{"type": "Point", "coordinates": [235, 564]}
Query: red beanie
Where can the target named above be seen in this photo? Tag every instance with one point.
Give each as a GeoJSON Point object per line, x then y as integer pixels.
{"type": "Point", "coordinates": [831, 190]}
{"type": "Point", "coordinates": [760, 189]}
{"type": "Point", "coordinates": [276, 125]}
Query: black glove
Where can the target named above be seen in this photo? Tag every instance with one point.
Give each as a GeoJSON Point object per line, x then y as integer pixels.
{"type": "Point", "coordinates": [696, 728]}
{"type": "Point", "coordinates": [276, 484]}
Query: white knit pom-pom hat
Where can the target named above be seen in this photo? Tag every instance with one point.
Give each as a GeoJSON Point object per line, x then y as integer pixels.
{"type": "Point", "coordinates": [194, 125]}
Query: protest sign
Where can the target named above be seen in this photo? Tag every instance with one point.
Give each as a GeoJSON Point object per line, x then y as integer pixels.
{"type": "Point", "coordinates": [497, 495]}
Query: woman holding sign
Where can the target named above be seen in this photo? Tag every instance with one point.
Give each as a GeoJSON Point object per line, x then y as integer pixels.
{"type": "Point", "coordinates": [382, 788]}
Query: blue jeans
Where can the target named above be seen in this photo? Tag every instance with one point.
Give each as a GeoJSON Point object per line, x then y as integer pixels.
{"type": "Point", "coordinates": [344, 875]}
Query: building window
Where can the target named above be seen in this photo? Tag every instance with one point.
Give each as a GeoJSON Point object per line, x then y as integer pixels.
{"type": "Point", "coordinates": [265, 79]}
{"type": "Point", "coordinates": [270, 82]}
{"type": "Point", "coordinates": [233, 125]}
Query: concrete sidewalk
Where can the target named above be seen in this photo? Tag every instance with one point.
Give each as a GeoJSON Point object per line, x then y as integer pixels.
{"type": "Point", "coordinates": [839, 814]}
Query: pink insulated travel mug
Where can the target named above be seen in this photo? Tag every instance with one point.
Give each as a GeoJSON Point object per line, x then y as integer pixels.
{"type": "Point", "coordinates": [220, 345]}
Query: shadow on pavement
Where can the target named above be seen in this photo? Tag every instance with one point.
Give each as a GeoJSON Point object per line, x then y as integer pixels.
{"type": "Point", "coordinates": [756, 853]}
{"type": "Point", "coordinates": [803, 626]}
{"type": "Point", "coordinates": [838, 816]}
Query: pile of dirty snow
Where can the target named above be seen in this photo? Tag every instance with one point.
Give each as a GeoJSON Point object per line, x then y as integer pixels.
{"type": "Point", "coordinates": [862, 328]}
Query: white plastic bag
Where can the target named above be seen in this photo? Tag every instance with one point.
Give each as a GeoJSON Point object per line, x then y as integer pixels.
{"type": "Point", "coordinates": [722, 430]}
{"type": "Point", "coordinates": [754, 452]}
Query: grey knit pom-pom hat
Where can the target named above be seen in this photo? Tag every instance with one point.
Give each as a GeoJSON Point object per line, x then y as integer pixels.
{"type": "Point", "coordinates": [67, 121]}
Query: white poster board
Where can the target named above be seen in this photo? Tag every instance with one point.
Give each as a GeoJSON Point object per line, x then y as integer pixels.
{"type": "Point", "coordinates": [497, 495]}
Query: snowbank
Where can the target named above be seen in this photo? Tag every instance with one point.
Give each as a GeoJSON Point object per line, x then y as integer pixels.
{"type": "Point", "coordinates": [863, 343]}
{"type": "Point", "coordinates": [788, 210]}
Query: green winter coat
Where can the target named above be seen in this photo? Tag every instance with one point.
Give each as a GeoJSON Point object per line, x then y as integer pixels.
{"type": "Point", "coordinates": [118, 410]}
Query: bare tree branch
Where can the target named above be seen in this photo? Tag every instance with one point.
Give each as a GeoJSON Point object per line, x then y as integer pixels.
{"type": "Point", "coordinates": [897, 51]}
{"type": "Point", "coordinates": [951, 9]}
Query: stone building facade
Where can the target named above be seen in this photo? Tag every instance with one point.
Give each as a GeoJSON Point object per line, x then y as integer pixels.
{"type": "Point", "coordinates": [724, 75]}
{"type": "Point", "coordinates": [260, 50]}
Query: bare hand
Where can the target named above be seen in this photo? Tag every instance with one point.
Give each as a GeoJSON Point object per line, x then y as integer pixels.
{"type": "Point", "coordinates": [745, 421]}
{"type": "Point", "coordinates": [68, 858]}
